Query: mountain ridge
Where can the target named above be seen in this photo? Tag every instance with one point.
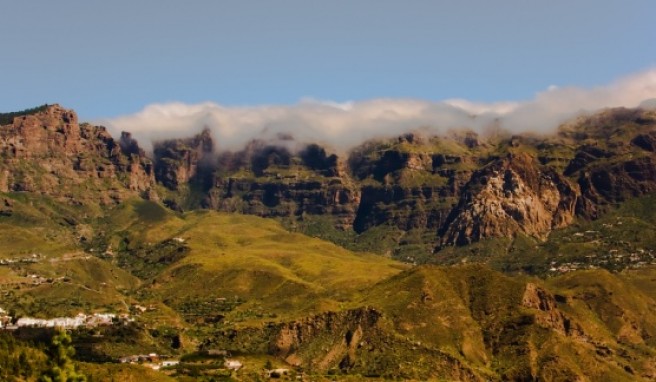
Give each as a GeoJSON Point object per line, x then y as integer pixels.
{"type": "Point", "coordinates": [453, 189]}
{"type": "Point", "coordinates": [525, 226]}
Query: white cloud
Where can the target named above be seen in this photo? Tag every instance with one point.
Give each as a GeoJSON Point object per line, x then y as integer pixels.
{"type": "Point", "coordinates": [477, 108]}
{"type": "Point", "coordinates": [344, 125]}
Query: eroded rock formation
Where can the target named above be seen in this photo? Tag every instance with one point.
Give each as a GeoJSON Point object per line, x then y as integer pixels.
{"type": "Point", "coordinates": [458, 188]}
{"type": "Point", "coordinates": [512, 195]}
{"type": "Point", "coordinates": [50, 153]}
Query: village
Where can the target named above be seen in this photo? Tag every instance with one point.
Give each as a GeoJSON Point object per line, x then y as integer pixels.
{"type": "Point", "coordinates": [208, 360]}
{"type": "Point", "coordinates": [29, 259]}
{"type": "Point", "coordinates": [159, 362]}
{"type": "Point", "coordinates": [615, 255]}
{"type": "Point", "coordinates": [153, 361]}
{"type": "Point", "coordinates": [28, 278]}
{"type": "Point", "coordinates": [81, 320]}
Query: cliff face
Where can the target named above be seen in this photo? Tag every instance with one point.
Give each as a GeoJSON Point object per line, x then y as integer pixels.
{"type": "Point", "coordinates": [408, 185]}
{"type": "Point", "coordinates": [512, 195]}
{"type": "Point", "coordinates": [180, 161]}
{"type": "Point", "coordinates": [609, 184]}
{"type": "Point", "coordinates": [270, 181]}
{"type": "Point", "coordinates": [615, 158]}
{"type": "Point", "coordinates": [50, 153]}
{"type": "Point", "coordinates": [286, 197]}
{"type": "Point", "coordinates": [453, 189]}
{"type": "Point", "coordinates": [461, 187]}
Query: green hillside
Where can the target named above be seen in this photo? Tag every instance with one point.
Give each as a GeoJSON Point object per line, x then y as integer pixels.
{"type": "Point", "coordinates": [486, 319]}
{"type": "Point", "coordinates": [211, 280]}
{"type": "Point", "coordinates": [227, 260]}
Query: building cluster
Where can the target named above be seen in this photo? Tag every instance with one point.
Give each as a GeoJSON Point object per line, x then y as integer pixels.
{"type": "Point", "coordinates": [81, 320]}
{"type": "Point", "coordinates": [153, 360]}
{"type": "Point", "coordinates": [158, 362]}
{"type": "Point", "coordinates": [613, 259]}
{"type": "Point", "coordinates": [29, 259]}
{"type": "Point", "coordinates": [612, 253]}
{"type": "Point", "coordinates": [138, 309]}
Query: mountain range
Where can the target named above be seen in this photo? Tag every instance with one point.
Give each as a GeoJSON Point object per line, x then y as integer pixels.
{"type": "Point", "coordinates": [459, 256]}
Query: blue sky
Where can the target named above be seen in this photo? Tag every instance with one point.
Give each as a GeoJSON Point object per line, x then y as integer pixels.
{"type": "Point", "coordinates": [109, 58]}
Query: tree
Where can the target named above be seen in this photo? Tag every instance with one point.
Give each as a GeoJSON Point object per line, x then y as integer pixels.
{"type": "Point", "coordinates": [24, 364]}
{"type": "Point", "coordinates": [60, 365]}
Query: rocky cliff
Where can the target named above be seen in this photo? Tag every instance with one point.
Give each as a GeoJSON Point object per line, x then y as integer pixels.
{"type": "Point", "coordinates": [437, 191]}
{"type": "Point", "coordinates": [271, 181]}
{"type": "Point", "coordinates": [408, 183]}
{"type": "Point", "coordinates": [181, 161]}
{"type": "Point", "coordinates": [458, 187]}
{"type": "Point", "coordinates": [48, 152]}
{"type": "Point", "coordinates": [511, 195]}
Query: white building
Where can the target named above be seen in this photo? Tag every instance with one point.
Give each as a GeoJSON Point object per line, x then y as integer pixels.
{"type": "Point", "coordinates": [232, 364]}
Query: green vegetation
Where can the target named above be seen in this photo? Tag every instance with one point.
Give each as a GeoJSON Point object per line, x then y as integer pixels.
{"type": "Point", "coordinates": [623, 238]}
{"type": "Point", "coordinates": [207, 280]}
{"type": "Point", "coordinates": [7, 118]}
{"type": "Point", "coordinates": [247, 259]}
{"type": "Point", "coordinates": [18, 361]}
{"type": "Point", "coordinates": [122, 372]}
{"type": "Point", "coordinates": [201, 288]}
{"type": "Point", "coordinates": [60, 366]}
{"type": "Point", "coordinates": [381, 239]}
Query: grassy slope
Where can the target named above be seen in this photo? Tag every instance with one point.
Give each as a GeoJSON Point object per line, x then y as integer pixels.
{"type": "Point", "coordinates": [123, 373]}
{"type": "Point", "coordinates": [476, 315]}
{"type": "Point", "coordinates": [68, 279]}
{"type": "Point", "coordinates": [470, 313]}
{"type": "Point", "coordinates": [38, 225]}
{"type": "Point", "coordinates": [620, 306]}
{"type": "Point", "coordinates": [91, 285]}
{"type": "Point", "coordinates": [251, 259]}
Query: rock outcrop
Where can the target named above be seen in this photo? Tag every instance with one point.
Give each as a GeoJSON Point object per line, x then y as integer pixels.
{"type": "Point", "coordinates": [407, 184]}
{"type": "Point", "coordinates": [453, 189]}
{"type": "Point", "coordinates": [512, 195]}
{"type": "Point", "coordinates": [646, 141]}
{"type": "Point", "coordinates": [50, 153]}
{"type": "Point", "coordinates": [547, 313]}
{"type": "Point", "coordinates": [351, 324]}
{"type": "Point", "coordinates": [180, 161]}
{"type": "Point", "coordinates": [350, 341]}
{"type": "Point", "coordinates": [6, 207]}
{"type": "Point", "coordinates": [271, 181]}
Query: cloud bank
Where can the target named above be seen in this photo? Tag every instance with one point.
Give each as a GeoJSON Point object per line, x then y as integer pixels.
{"type": "Point", "coordinates": [345, 125]}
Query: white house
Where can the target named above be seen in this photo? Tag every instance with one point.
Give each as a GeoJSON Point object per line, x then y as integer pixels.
{"type": "Point", "coordinates": [232, 364]}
